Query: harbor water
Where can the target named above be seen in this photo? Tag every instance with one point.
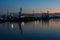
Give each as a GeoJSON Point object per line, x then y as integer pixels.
{"type": "Point", "coordinates": [33, 30]}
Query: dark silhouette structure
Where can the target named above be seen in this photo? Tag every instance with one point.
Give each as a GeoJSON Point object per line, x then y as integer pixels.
{"type": "Point", "coordinates": [26, 17]}
{"type": "Point", "coordinates": [45, 16]}
{"type": "Point", "coordinates": [20, 13]}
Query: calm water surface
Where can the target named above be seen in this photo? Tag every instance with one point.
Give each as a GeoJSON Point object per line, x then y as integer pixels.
{"type": "Point", "coordinates": [35, 30]}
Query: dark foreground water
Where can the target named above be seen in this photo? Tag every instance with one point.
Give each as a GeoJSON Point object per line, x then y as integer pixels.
{"type": "Point", "coordinates": [35, 30]}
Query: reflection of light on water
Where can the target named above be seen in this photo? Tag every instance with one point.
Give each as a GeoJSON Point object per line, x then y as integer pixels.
{"type": "Point", "coordinates": [35, 22]}
{"type": "Point", "coordinates": [22, 23]}
{"type": "Point", "coordinates": [12, 26]}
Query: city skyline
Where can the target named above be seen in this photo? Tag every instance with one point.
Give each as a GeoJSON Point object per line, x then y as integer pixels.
{"type": "Point", "coordinates": [29, 5]}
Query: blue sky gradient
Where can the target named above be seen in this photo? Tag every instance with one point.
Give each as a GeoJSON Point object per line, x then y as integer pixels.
{"type": "Point", "coordinates": [29, 5]}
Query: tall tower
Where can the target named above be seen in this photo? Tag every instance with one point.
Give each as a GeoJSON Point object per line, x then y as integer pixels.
{"type": "Point", "coordinates": [20, 12]}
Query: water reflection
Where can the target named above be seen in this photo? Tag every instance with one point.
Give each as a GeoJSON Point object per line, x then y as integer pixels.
{"type": "Point", "coordinates": [45, 23]}
{"type": "Point", "coordinates": [12, 26]}
{"type": "Point", "coordinates": [43, 29]}
{"type": "Point", "coordinates": [20, 27]}
{"type": "Point", "coordinates": [22, 23]}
